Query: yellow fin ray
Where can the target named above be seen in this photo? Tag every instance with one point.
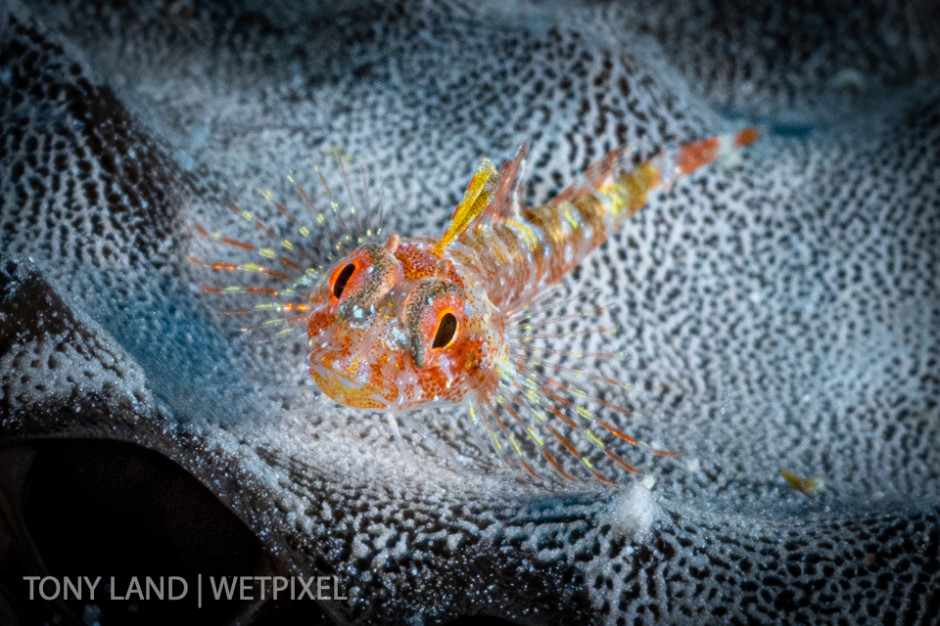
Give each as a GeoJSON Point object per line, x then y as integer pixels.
{"type": "Point", "coordinates": [474, 201]}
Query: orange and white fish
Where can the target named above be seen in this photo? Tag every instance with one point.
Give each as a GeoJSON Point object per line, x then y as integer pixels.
{"type": "Point", "coordinates": [400, 322]}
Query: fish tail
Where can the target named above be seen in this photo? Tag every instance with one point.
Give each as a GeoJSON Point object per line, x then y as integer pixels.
{"type": "Point", "coordinates": [691, 156]}
{"type": "Point", "coordinates": [628, 192]}
{"type": "Point", "coordinates": [607, 194]}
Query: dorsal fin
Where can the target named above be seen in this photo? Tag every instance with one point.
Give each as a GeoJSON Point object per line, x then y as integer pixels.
{"type": "Point", "coordinates": [490, 195]}
{"type": "Point", "coordinates": [508, 200]}
{"type": "Point", "coordinates": [593, 177]}
{"type": "Point", "coordinates": [474, 202]}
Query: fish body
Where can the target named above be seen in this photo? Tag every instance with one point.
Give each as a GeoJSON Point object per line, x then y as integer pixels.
{"type": "Point", "coordinates": [372, 338]}
{"type": "Point", "coordinates": [403, 323]}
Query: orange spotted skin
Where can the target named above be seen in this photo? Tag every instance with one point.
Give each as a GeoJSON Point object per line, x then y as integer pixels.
{"type": "Point", "coordinates": [372, 347]}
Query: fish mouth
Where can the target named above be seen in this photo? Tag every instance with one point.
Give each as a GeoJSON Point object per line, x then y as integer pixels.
{"type": "Point", "coordinates": [346, 392]}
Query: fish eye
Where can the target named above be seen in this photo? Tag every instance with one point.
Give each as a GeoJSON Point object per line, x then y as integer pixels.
{"type": "Point", "coordinates": [340, 279]}
{"type": "Point", "coordinates": [446, 331]}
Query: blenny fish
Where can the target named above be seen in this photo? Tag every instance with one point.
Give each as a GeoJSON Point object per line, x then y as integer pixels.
{"type": "Point", "coordinates": [397, 323]}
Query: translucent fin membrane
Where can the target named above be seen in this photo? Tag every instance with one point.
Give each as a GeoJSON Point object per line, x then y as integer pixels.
{"type": "Point", "coordinates": [282, 255]}
{"type": "Point", "coordinates": [552, 416]}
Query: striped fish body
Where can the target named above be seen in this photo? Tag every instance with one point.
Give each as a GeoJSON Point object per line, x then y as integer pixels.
{"type": "Point", "coordinates": [520, 251]}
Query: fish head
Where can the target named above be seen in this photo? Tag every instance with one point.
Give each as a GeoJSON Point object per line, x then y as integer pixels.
{"type": "Point", "coordinates": [394, 326]}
